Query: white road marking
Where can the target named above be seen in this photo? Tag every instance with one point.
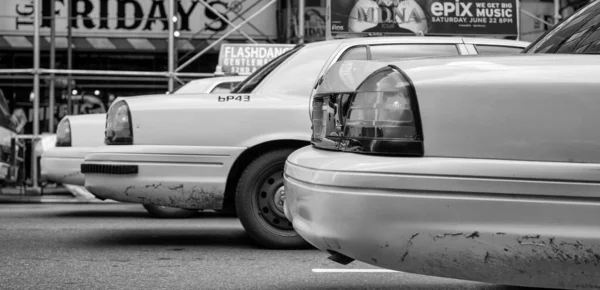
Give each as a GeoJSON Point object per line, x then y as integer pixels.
{"type": "Point", "coordinates": [353, 271]}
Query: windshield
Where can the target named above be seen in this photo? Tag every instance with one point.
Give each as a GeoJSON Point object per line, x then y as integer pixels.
{"type": "Point", "coordinates": [248, 85]}
{"type": "Point", "coordinates": [567, 35]}
{"type": "Point", "coordinates": [195, 87]}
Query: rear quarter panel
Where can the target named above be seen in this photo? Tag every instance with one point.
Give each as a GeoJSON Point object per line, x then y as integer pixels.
{"type": "Point", "coordinates": [207, 121]}
{"type": "Point", "coordinates": [542, 108]}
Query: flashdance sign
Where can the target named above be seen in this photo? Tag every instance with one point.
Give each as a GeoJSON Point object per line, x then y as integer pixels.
{"type": "Point", "coordinates": [430, 17]}
{"type": "Point", "coordinates": [247, 58]}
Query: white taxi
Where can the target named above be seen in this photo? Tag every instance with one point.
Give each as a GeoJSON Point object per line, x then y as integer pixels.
{"type": "Point", "coordinates": [77, 136]}
{"type": "Point", "coordinates": [484, 168]}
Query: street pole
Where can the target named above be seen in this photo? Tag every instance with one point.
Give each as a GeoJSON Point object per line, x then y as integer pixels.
{"type": "Point", "coordinates": [69, 56]}
{"type": "Point", "coordinates": [289, 28]}
{"type": "Point", "coordinates": [301, 21]}
{"type": "Point", "coordinates": [171, 57]}
{"type": "Point", "coordinates": [36, 89]}
{"type": "Point", "coordinates": [556, 12]}
{"type": "Point", "coordinates": [52, 66]}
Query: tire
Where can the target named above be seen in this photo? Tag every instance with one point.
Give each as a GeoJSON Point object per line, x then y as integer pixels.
{"type": "Point", "coordinates": [166, 212]}
{"type": "Point", "coordinates": [258, 189]}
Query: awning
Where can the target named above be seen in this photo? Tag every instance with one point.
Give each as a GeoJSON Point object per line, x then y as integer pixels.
{"type": "Point", "coordinates": [110, 44]}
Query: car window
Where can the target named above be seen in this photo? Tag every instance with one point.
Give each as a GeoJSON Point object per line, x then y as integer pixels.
{"type": "Point", "coordinates": [566, 31]}
{"type": "Point", "coordinates": [298, 74]}
{"type": "Point", "coordinates": [355, 53]}
{"type": "Point", "coordinates": [224, 87]}
{"type": "Point", "coordinates": [391, 51]}
{"type": "Point", "coordinates": [495, 49]}
{"type": "Point", "coordinates": [591, 41]}
{"type": "Point", "coordinates": [195, 87]}
{"type": "Point", "coordinates": [570, 43]}
{"type": "Point", "coordinates": [251, 82]}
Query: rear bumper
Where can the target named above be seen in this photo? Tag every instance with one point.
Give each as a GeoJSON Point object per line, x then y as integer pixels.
{"type": "Point", "coordinates": [393, 221]}
{"type": "Point", "coordinates": [62, 164]}
{"type": "Point", "coordinates": [192, 178]}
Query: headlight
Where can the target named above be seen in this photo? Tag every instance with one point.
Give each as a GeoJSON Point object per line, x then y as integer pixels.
{"type": "Point", "coordinates": [63, 133]}
{"type": "Point", "coordinates": [118, 125]}
{"type": "Point", "coordinates": [381, 116]}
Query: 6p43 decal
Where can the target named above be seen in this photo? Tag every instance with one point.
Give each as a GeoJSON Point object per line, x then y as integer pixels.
{"type": "Point", "coordinates": [238, 98]}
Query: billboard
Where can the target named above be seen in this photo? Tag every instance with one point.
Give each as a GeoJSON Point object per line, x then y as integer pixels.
{"type": "Point", "coordinates": [139, 18]}
{"type": "Point", "coordinates": [429, 17]}
{"type": "Point", "coordinates": [244, 59]}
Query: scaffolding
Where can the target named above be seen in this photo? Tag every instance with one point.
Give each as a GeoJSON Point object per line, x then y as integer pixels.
{"type": "Point", "coordinates": [173, 74]}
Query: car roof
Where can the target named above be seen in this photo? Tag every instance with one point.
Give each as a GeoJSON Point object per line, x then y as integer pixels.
{"type": "Point", "coordinates": [426, 39]}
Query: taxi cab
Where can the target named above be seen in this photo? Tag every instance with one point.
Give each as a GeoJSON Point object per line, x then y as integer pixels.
{"type": "Point", "coordinates": [484, 168]}
{"type": "Point", "coordinates": [78, 135]}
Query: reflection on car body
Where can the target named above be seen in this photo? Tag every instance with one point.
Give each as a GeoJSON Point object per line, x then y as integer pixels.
{"type": "Point", "coordinates": [479, 169]}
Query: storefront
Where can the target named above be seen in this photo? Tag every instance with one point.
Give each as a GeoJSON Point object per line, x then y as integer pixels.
{"type": "Point", "coordinates": [120, 35]}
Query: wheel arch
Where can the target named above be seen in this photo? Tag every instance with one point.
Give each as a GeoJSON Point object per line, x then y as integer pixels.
{"type": "Point", "coordinates": [248, 156]}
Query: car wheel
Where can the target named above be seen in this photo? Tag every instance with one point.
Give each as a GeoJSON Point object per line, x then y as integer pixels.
{"type": "Point", "coordinates": [259, 202]}
{"type": "Point", "coordinates": [169, 212]}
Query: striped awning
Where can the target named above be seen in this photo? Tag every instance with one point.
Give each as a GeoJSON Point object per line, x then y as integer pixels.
{"type": "Point", "coordinates": [109, 44]}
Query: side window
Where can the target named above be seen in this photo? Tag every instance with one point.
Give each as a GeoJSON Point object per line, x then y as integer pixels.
{"type": "Point", "coordinates": [570, 43]}
{"type": "Point", "coordinates": [391, 51]}
{"type": "Point", "coordinates": [591, 43]}
{"type": "Point", "coordinates": [494, 49]}
{"type": "Point", "coordinates": [555, 38]}
{"type": "Point", "coordinates": [224, 87]}
{"type": "Point", "coordinates": [355, 53]}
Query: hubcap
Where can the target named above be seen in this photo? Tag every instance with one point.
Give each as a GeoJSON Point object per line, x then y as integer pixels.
{"type": "Point", "coordinates": [270, 199]}
{"type": "Point", "coordinates": [279, 198]}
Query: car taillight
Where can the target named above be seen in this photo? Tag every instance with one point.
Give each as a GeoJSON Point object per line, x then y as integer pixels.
{"type": "Point", "coordinates": [63, 133]}
{"type": "Point", "coordinates": [381, 116]}
{"type": "Point", "coordinates": [118, 125]}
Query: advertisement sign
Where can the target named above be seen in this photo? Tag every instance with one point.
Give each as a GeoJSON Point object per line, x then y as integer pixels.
{"type": "Point", "coordinates": [429, 17]}
{"type": "Point", "coordinates": [314, 24]}
{"type": "Point", "coordinates": [138, 18]}
{"type": "Point", "coordinates": [244, 59]}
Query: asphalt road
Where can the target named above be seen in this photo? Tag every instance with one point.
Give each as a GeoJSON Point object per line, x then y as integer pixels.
{"type": "Point", "coordinates": [118, 246]}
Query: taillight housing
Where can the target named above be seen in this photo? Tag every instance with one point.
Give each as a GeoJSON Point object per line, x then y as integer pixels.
{"type": "Point", "coordinates": [380, 117]}
{"type": "Point", "coordinates": [63, 133]}
{"type": "Point", "coordinates": [119, 129]}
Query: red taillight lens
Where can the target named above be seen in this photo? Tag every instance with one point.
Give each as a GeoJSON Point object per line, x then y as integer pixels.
{"type": "Point", "coordinates": [63, 133]}
{"type": "Point", "coordinates": [381, 116]}
{"type": "Point", "coordinates": [118, 125]}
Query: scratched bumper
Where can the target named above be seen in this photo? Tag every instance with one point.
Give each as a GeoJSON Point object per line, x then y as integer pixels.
{"type": "Point", "coordinates": [62, 164]}
{"type": "Point", "coordinates": [501, 239]}
{"type": "Point", "coordinates": [185, 180]}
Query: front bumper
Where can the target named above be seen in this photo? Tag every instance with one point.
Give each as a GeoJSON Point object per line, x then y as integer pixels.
{"type": "Point", "coordinates": [62, 164]}
{"type": "Point", "coordinates": [373, 209]}
{"type": "Point", "coordinates": [174, 176]}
